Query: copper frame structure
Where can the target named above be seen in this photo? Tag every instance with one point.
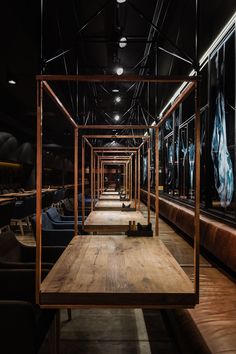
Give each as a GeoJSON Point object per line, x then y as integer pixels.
{"type": "Point", "coordinates": [42, 85]}
{"type": "Point", "coordinates": [146, 139]}
{"type": "Point", "coordinates": [116, 158]}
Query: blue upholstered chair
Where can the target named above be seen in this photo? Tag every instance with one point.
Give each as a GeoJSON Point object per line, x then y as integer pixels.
{"type": "Point", "coordinates": [47, 198]}
{"type": "Point", "coordinates": [55, 216]}
{"type": "Point", "coordinates": [16, 255]}
{"type": "Point", "coordinates": [23, 210]}
{"type": "Point", "coordinates": [53, 234]}
{"type": "Point", "coordinates": [58, 196]}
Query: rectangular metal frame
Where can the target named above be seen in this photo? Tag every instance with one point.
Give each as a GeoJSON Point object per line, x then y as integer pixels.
{"type": "Point", "coordinates": [146, 139]}
{"type": "Point", "coordinates": [42, 85]}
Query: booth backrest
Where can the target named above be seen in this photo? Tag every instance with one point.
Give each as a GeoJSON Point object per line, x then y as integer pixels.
{"type": "Point", "coordinates": [216, 237]}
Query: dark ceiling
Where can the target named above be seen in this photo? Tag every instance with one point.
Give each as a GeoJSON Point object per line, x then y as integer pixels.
{"type": "Point", "coordinates": [88, 32]}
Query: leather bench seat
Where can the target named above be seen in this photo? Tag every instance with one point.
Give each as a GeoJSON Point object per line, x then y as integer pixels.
{"type": "Point", "coordinates": [211, 325]}
{"type": "Point", "coordinates": [218, 238]}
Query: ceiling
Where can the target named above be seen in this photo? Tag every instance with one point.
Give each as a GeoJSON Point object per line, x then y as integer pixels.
{"type": "Point", "coordinates": [87, 32]}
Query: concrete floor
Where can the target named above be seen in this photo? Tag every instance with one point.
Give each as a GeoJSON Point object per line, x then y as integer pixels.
{"type": "Point", "coordinates": [111, 331]}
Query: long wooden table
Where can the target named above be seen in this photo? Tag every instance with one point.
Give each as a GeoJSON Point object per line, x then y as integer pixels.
{"type": "Point", "coordinates": [6, 200]}
{"type": "Point", "coordinates": [110, 193]}
{"type": "Point", "coordinates": [109, 197]}
{"type": "Point", "coordinates": [18, 195]}
{"type": "Point", "coordinates": [25, 194]}
{"type": "Point", "coordinates": [112, 220]}
{"type": "Point", "coordinates": [116, 271]}
{"type": "Point", "coordinates": [112, 204]}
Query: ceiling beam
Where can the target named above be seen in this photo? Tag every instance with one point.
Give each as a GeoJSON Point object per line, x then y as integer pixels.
{"type": "Point", "coordinates": [116, 127]}
{"type": "Point", "coordinates": [116, 78]}
{"type": "Point", "coordinates": [59, 104]}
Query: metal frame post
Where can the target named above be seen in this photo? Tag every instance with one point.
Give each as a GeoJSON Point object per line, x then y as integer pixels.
{"type": "Point", "coordinates": [76, 181]}
{"type": "Point", "coordinates": [157, 180]}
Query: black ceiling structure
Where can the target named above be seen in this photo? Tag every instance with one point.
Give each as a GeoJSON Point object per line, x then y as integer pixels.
{"type": "Point", "coordinates": [81, 37]}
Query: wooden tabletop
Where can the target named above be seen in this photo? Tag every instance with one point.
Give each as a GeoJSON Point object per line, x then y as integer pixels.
{"type": "Point", "coordinates": [109, 197]}
{"type": "Point", "coordinates": [112, 220]}
{"type": "Point", "coordinates": [24, 194]}
{"type": "Point", "coordinates": [18, 194]}
{"type": "Point", "coordinates": [110, 193]}
{"type": "Point", "coordinates": [116, 271]}
{"type": "Point", "coordinates": [5, 200]}
{"type": "Point", "coordinates": [112, 204]}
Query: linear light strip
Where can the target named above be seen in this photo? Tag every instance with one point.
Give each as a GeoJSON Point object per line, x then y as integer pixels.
{"type": "Point", "coordinates": [203, 60]}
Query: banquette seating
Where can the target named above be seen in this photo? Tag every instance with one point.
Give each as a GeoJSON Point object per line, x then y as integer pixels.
{"type": "Point", "coordinates": [217, 238]}
{"type": "Point", "coordinates": [211, 326]}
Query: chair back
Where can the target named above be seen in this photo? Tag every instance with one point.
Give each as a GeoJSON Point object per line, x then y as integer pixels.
{"type": "Point", "coordinates": [53, 214]}
{"type": "Point", "coordinates": [58, 196]}
{"type": "Point", "coordinates": [25, 208]}
{"type": "Point", "coordinates": [6, 212]}
{"type": "Point", "coordinates": [10, 250]}
{"type": "Point", "coordinates": [46, 222]}
{"type": "Point", "coordinates": [47, 199]}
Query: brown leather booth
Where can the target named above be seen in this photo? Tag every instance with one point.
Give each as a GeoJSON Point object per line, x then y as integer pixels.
{"type": "Point", "coordinates": [211, 326]}
{"type": "Point", "coordinates": [217, 238]}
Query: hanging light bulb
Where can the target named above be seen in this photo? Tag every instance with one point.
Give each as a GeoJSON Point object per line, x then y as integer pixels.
{"type": "Point", "coordinates": [120, 1]}
{"type": "Point", "coordinates": [123, 42]}
{"type": "Point", "coordinates": [118, 99]}
{"type": "Point", "coordinates": [117, 117]}
{"type": "Point", "coordinates": [119, 71]}
{"type": "Point", "coordinates": [12, 82]}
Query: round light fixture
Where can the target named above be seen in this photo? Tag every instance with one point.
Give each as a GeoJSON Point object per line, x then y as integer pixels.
{"type": "Point", "coordinates": [119, 71]}
{"type": "Point", "coordinates": [118, 99]}
{"type": "Point", "coordinates": [117, 117]}
{"type": "Point", "coordinates": [123, 42]}
{"type": "Point", "coordinates": [12, 82]}
{"type": "Point", "coordinates": [115, 90]}
{"type": "Point", "coordinates": [120, 1]}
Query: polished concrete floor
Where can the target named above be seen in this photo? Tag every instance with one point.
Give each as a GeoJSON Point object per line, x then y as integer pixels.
{"type": "Point", "coordinates": [111, 331]}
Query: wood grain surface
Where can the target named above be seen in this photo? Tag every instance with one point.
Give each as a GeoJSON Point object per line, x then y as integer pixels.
{"type": "Point", "coordinates": [18, 194]}
{"type": "Point", "coordinates": [109, 197]}
{"type": "Point", "coordinates": [116, 271]}
{"type": "Point", "coordinates": [112, 204]}
{"type": "Point", "coordinates": [110, 193]}
{"type": "Point", "coordinates": [112, 220]}
{"type": "Point", "coordinates": [6, 200]}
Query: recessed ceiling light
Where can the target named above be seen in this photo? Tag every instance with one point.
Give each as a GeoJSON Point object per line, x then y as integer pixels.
{"type": "Point", "coordinates": [118, 99]}
{"type": "Point", "coordinates": [12, 82]}
{"type": "Point", "coordinates": [119, 71]}
{"type": "Point", "coordinates": [123, 42]}
{"type": "Point", "coordinates": [115, 90]}
{"type": "Point", "coordinates": [120, 1]}
{"type": "Point", "coordinates": [117, 117]}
